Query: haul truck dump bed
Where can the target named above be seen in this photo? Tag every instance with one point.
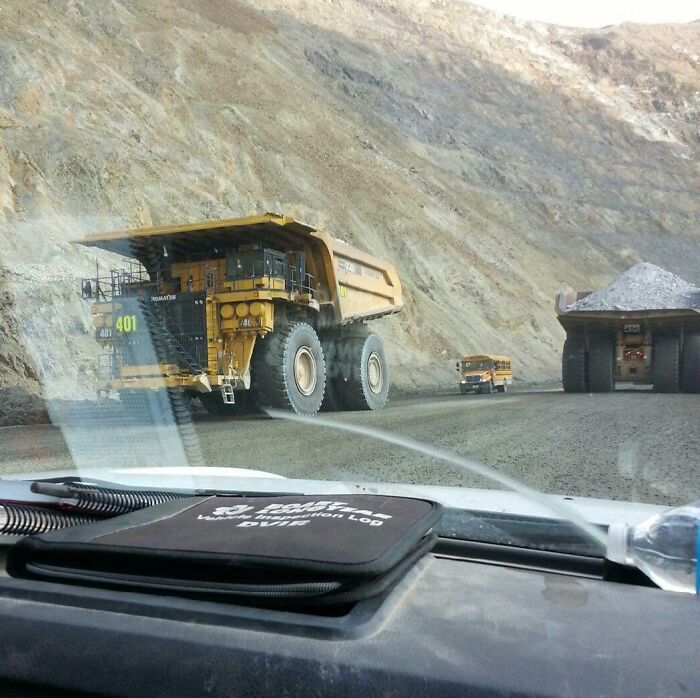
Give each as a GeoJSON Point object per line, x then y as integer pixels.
{"type": "Point", "coordinates": [608, 345]}
{"type": "Point", "coordinates": [263, 304]}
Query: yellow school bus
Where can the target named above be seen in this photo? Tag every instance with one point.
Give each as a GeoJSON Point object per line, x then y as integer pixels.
{"type": "Point", "coordinates": [484, 373]}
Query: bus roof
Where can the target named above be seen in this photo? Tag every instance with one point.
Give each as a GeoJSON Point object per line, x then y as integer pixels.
{"type": "Point", "coordinates": [485, 357]}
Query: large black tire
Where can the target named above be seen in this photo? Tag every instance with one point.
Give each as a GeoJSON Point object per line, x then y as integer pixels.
{"type": "Point", "coordinates": [289, 370]}
{"type": "Point", "coordinates": [666, 363]}
{"type": "Point", "coordinates": [361, 379]}
{"type": "Point", "coordinates": [574, 369]}
{"type": "Point", "coordinates": [691, 363]}
{"type": "Point", "coordinates": [601, 363]}
{"type": "Point", "coordinates": [502, 388]}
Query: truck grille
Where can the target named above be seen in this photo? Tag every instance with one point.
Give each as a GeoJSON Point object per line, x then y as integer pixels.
{"type": "Point", "coordinates": [168, 329]}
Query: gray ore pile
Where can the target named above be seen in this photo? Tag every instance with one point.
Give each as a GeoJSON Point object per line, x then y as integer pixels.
{"type": "Point", "coordinates": [643, 287]}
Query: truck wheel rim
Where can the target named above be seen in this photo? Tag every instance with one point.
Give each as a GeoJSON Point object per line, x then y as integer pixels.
{"type": "Point", "coordinates": [375, 375]}
{"type": "Point", "coordinates": [305, 374]}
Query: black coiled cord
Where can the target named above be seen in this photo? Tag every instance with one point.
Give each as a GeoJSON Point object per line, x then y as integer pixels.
{"type": "Point", "coordinates": [22, 519]}
{"type": "Point", "coordinates": [105, 501]}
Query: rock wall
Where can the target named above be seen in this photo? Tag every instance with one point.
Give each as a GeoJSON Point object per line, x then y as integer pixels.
{"type": "Point", "coordinates": [490, 159]}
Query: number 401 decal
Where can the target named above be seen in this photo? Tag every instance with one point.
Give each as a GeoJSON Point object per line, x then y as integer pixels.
{"type": "Point", "coordinates": [126, 323]}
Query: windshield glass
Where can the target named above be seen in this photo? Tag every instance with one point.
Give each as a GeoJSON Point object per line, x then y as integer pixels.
{"type": "Point", "coordinates": [259, 239]}
{"type": "Point", "coordinates": [470, 365]}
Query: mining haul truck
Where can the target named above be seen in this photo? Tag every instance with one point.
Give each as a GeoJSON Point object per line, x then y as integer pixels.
{"type": "Point", "coordinates": [260, 305]}
{"type": "Point", "coordinates": [653, 347]}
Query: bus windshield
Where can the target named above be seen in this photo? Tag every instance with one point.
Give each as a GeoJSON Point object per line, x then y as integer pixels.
{"type": "Point", "coordinates": [471, 365]}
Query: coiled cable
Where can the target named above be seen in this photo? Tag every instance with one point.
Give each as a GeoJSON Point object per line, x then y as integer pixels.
{"type": "Point", "coordinates": [23, 519]}
{"type": "Point", "coordinates": [105, 501]}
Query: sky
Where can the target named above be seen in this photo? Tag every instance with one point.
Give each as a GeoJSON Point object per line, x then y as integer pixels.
{"type": "Point", "coordinates": [597, 13]}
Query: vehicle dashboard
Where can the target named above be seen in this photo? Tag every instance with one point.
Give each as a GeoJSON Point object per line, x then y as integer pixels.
{"type": "Point", "coordinates": [467, 619]}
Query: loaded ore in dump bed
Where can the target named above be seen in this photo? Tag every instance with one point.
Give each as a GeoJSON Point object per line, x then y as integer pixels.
{"type": "Point", "coordinates": [643, 328]}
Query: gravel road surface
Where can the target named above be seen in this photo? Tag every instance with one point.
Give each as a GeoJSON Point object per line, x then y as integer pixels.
{"type": "Point", "coordinates": [633, 445]}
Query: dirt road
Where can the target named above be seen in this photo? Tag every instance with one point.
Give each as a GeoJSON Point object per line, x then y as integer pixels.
{"type": "Point", "coordinates": [627, 445]}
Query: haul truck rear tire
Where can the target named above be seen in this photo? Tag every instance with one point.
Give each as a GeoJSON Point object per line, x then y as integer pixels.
{"type": "Point", "coordinates": [574, 375]}
{"type": "Point", "coordinates": [691, 364]}
{"type": "Point", "coordinates": [601, 364]}
{"type": "Point", "coordinates": [289, 370]}
{"type": "Point", "coordinates": [362, 382]}
{"type": "Point", "coordinates": [666, 366]}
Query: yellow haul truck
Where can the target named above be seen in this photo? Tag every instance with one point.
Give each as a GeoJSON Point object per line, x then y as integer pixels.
{"type": "Point", "coordinates": [262, 304]}
{"type": "Point", "coordinates": [484, 373]}
{"type": "Point", "coordinates": [653, 347]}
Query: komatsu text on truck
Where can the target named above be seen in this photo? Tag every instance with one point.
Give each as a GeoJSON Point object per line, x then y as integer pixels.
{"type": "Point", "coordinates": [262, 304]}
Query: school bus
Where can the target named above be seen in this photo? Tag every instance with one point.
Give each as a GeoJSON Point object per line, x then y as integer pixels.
{"type": "Point", "coordinates": [484, 373]}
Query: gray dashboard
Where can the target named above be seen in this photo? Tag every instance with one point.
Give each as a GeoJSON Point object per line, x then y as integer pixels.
{"type": "Point", "coordinates": [451, 627]}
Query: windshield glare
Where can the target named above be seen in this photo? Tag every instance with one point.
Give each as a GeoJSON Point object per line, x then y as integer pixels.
{"type": "Point", "coordinates": [219, 231]}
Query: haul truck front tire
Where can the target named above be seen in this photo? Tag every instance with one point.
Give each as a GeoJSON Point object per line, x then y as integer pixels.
{"type": "Point", "coordinates": [573, 365]}
{"type": "Point", "coordinates": [601, 364]}
{"type": "Point", "coordinates": [666, 366]}
{"type": "Point", "coordinates": [289, 371]}
{"type": "Point", "coordinates": [362, 373]}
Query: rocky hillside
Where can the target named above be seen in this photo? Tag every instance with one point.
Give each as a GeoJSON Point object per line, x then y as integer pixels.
{"type": "Point", "coordinates": [489, 158]}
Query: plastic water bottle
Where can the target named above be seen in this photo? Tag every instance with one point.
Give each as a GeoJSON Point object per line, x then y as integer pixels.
{"type": "Point", "coordinates": [664, 547]}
